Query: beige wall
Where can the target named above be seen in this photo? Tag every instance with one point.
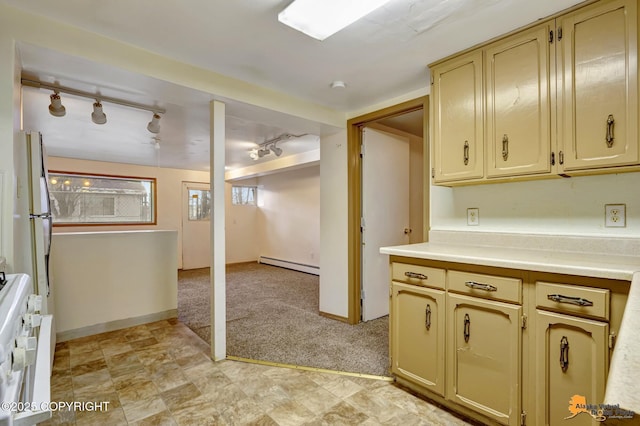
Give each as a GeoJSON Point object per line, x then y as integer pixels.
{"type": "Point", "coordinates": [569, 206]}
{"type": "Point", "coordinates": [289, 216]}
{"type": "Point", "coordinates": [168, 187]}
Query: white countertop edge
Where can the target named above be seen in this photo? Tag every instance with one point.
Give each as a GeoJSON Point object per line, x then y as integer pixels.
{"type": "Point", "coordinates": [623, 387]}
{"type": "Point", "coordinates": [570, 263]}
{"type": "Point", "coordinates": [137, 231]}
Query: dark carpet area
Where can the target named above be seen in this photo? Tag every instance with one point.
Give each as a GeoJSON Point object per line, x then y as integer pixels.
{"type": "Point", "coordinates": [272, 315]}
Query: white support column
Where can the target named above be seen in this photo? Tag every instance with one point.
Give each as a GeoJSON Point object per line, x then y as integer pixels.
{"type": "Point", "coordinates": [218, 278]}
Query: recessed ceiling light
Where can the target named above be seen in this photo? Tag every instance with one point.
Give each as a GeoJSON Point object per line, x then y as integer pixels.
{"type": "Point", "coordinates": [338, 84]}
{"type": "Point", "coordinates": [322, 18]}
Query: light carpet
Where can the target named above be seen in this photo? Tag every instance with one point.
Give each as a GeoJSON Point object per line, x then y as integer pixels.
{"type": "Point", "coordinates": [273, 315]}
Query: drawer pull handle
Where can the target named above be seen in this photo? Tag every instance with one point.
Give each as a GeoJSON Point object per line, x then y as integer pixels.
{"type": "Point", "coordinates": [427, 317]}
{"type": "Point", "coordinates": [410, 274]}
{"type": "Point", "coordinates": [480, 286]}
{"type": "Point", "coordinates": [466, 331]}
{"type": "Point", "coordinates": [570, 300]}
{"type": "Point", "coordinates": [564, 353]}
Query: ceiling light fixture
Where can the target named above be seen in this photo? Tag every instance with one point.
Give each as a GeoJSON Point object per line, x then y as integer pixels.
{"type": "Point", "coordinates": [98, 116]}
{"type": "Point", "coordinates": [338, 84]}
{"type": "Point", "coordinates": [265, 148]}
{"type": "Point", "coordinates": [154, 124]}
{"type": "Point", "coordinates": [322, 18]}
{"type": "Point", "coordinates": [56, 108]}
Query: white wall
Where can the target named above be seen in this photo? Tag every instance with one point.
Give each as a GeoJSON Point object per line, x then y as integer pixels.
{"type": "Point", "coordinates": [334, 278]}
{"type": "Point", "coordinates": [241, 228]}
{"type": "Point", "coordinates": [168, 192]}
{"type": "Point", "coordinates": [565, 206]}
{"type": "Point", "coordinates": [110, 280]}
{"type": "Point", "coordinates": [289, 215]}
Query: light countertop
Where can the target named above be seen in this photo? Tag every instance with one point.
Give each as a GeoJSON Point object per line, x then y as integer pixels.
{"type": "Point", "coordinates": [587, 264]}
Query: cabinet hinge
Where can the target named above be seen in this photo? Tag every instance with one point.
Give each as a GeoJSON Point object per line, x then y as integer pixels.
{"type": "Point", "coordinates": [559, 33]}
{"type": "Point", "coordinates": [523, 418]}
{"type": "Point", "coordinates": [612, 340]}
{"type": "Point", "coordinates": [551, 36]}
{"type": "Point", "coordinates": [523, 322]}
{"type": "Point", "coordinates": [431, 79]}
{"type": "Point", "coordinates": [433, 172]}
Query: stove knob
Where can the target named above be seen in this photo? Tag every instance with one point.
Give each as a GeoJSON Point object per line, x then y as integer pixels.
{"type": "Point", "coordinates": [34, 303]}
{"type": "Point", "coordinates": [24, 354]}
{"type": "Point", "coordinates": [32, 320]}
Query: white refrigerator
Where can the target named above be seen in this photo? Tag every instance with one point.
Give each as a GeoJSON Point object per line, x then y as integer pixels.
{"type": "Point", "coordinates": [33, 217]}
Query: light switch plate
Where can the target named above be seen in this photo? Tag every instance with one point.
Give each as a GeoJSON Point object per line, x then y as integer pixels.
{"type": "Point", "coordinates": [615, 215]}
{"type": "Point", "coordinates": [473, 217]}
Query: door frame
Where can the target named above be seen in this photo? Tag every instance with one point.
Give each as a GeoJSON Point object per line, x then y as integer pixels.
{"type": "Point", "coordinates": [354, 191]}
{"type": "Point", "coordinates": [184, 211]}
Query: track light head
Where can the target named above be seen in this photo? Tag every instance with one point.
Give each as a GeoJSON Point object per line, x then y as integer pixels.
{"type": "Point", "coordinates": [262, 152]}
{"type": "Point", "coordinates": [154, 124]}
{"type": "Point", "coordinates": [56, 108]}
{"type": "Point", "coordinates": [98, 116]}
{"type": "Point", "coordinates": [277, 151]}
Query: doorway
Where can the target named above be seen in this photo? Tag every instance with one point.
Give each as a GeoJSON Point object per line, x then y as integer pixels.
{"type": "Point", "coordinates": [196, 225]}
{"type": "Point", "coordinates": [354, 137]}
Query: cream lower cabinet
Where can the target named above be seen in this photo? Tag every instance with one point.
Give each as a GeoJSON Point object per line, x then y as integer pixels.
{"type": "Point", "coordinates": [571, 365]}
{"type": "Point", "coordinates": [417, 335]}
{"type": "Point", "coordinates": [484, 370]}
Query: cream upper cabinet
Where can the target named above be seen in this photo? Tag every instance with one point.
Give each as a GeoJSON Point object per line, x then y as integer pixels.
{"type": "Point", "coordinates": [558, 98]}
{"type": "Point", "coordinates": [598, 86]}
{"type": "Point", "coordinates": [571, 366]}
{"type": "Point", "coordinates": [417, 335]}
{"type": "Point", "coordinates": [518, 112]}
{"type": "Point", "coordinates": [484, 365]}
{"type": "Point", "coordinates": [457, 119]}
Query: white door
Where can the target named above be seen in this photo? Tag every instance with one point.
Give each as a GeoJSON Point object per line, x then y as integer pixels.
{"type": "Point", "coordinates": [385, 213]}
{"type": "Point", "coordinates": [196, 223]}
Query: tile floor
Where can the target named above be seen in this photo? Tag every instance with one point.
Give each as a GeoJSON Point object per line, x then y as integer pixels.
{"type": "Point", "coordinates": [160, 374]}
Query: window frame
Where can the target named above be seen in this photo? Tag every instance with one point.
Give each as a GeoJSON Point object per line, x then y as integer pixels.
{"type": "Point", "coordinates": [255, 195]}
{"type": "Point", "coordinates": [153, 201]}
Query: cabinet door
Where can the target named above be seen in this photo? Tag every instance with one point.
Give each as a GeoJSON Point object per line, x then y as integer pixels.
{"type": "Point", "coordinates": [457, 111]}
{"type": "Point", "coordinates": [484, 362]}
{"type": "Point", "coordinates": [582, 344]}
{"type": "Point", "coordinates": [519, 104]}
{"type": "Point", "coordinates": [598, 111]}
{"type": "Point", "coordinates": [417, 335]}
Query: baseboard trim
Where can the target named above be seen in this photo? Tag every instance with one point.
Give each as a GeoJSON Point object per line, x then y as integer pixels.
{"type": "Point", "coordinates": [334, 317]}
{"type": "Point", "coordinates": [309, 269]}
{"type": "Point", "coordinates": [63, 336]}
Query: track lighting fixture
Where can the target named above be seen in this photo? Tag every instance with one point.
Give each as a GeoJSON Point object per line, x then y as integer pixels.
{"type": "Point", "coordinates": [277, 151]}
{"type": "Point", "coordinates": [98, 116]}
{"type": "Point", "coordinates": [154, 124]}
{"type": "Point", "coordinates": [270, 146]}
{"type": "Point", "coordinates": [56, 108]}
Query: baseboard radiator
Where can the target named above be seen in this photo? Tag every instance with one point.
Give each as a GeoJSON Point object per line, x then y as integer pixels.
{"type": "Point", "coordinates": [309, 269]}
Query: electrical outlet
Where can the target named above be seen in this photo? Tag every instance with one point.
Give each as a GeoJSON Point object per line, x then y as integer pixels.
{"type": "Point", "coordinates": [615, 215]}
{"type": "Point", "coordinates": [473, 217]}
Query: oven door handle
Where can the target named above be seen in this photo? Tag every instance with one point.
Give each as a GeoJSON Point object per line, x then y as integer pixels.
{"type": "Point", "coordinates": [42, 378]}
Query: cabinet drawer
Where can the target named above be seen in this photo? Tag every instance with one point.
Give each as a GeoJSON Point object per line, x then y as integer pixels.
{"type": "Point", "coordinates": [486, 286]}
{"type": "Point", "coordinates": [418, 275]}
{"type": "Point", "coordinates": [573, 299]}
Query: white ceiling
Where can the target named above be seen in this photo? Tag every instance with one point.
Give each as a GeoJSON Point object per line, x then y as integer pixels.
{"type": "Point", "coordinates": [380, 57]}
